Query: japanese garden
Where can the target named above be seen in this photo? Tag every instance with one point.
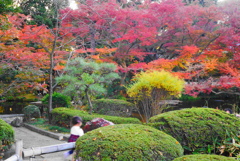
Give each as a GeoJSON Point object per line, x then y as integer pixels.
{"type": "Point", "coordinates": [166, 73]}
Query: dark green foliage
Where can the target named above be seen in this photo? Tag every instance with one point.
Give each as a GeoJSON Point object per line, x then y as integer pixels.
{"type": "Point", "coordinates": [62, 117]}
{"type": "Point", "coordinates": [58, 100]}
{"type": "Point", "coordinates": [203, 157]}
{"type": "Point", "coordinates": [6, 136]}
{"type": "Point", "coordinates": [84, 77]}
{"type": "Point", "coordinates": [7, 6]}
{"type": "Point", "coordinates": [113, 107]}
{"type": "Point", "coordinates": [188, 98]}
{"type": "Point", "coordinates": [31, 111]}
{"type": "Point", "coordinates": [42, 11]}
{"type": "Point", "coordinates": [7, 75]}
{"type": "Point", "coordinates": [127, 142]}
{"type": "Point", "coordinates": [197, 128]}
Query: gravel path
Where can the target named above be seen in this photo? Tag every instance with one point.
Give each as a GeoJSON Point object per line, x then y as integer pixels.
{"type": "Point", "coordinates": [33, 139]}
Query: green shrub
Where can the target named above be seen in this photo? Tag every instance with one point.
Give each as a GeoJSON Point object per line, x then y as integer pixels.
{"type": "Point", "coordinates": [58, 100]}
{"type": "Point", "coordinates": [31, 111]}
{"type": "Point", "coordinates": [6, 136]}
{"type": "Point", "coordinates": [113, 107]}
{"type": "Point", "coordinates": [38, 121]}
{"type": "Point", "coordinates": [197, 128]}
{"type": "Point", "coordinates": [62, 117]}
{"type": "Point", "coordinates": [127, 142]}
{"type": "Point", "coordinates": [203, 157]}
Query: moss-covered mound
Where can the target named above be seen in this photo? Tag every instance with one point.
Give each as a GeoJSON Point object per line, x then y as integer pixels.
{"type": "Point", "coordinates": [196, 128]}
{"type": "Point", "coordinates": [127, 142]}
{"type": "Point", "coordinates": [113, 107]}
{"type": "Point", "coordinates": [203, 157]}
{"type": "Point", "coordinates": [61, 116]}
{"type": "Point", "coordinates": [6, 136]}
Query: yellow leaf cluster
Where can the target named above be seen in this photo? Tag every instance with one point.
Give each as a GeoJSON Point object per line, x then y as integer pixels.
{"type": "Point", "coordinates": [146, 82]}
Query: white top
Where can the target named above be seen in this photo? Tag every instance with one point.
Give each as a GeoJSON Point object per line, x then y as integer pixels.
{"type": "Point", "coordinates": [76, 130]}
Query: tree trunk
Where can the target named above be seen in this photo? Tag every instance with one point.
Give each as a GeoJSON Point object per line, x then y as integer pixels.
{"type": "Point", "coordinates": [93, 41]}
{"type": "Point", "coordinates": [89, 101]}
{"type": "Point", "coordinates": [50, 88]}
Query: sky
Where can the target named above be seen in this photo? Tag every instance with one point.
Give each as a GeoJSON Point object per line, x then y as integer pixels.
{"type": "Point", "coordinates": [73, 4]}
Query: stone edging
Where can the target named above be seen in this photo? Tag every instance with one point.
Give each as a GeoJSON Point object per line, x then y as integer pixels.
{"type": "Point", "coordinates": [46, 133]}
{"type": "Point", "coordinates": [11, 115]}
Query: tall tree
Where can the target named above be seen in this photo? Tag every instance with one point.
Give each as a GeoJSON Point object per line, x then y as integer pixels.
{"type": "Point", "coordinates": [106, 25]}
{"type": "Point", "coordinates": [18, 74]}
{"type": "Point", "coordinates": [203, 46]}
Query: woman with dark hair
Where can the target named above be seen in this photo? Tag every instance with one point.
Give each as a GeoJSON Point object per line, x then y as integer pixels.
{"type": "Point", "coordinates": [228, 110]}
{"type": "Point", "coordinates": [76, 132]}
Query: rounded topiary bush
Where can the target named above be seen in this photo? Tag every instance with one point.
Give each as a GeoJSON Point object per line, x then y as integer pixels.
{"type": "Point", "coordinates": [203, 157]}
{"type": "Point", "coordinates": [6, 136]}
{"type": "Point", "coordinates": [31, 111]}
{"type": "Point", "coordinates": [127, 142]}
{"type": "Point", "coordinates": [197, 128]}
{"type": "Point", "coordinates": [113, 107]}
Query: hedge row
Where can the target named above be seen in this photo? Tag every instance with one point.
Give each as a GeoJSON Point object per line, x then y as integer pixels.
{"type": "Point", "coordinates": [61, 116]}
{"type": "Point", "coordinates": [113, 107]}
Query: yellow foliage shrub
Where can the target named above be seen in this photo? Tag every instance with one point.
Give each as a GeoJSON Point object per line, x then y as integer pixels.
{"type": "Point", "coordinates": [148, 81]}
{"type": "Point", "coordinates": [151, 87]}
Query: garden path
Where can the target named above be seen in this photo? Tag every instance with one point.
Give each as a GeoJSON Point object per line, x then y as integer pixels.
{"type": "Point", "coordinates": [33, 139]}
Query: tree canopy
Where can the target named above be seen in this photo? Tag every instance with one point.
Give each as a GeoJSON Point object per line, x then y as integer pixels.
{"type": "Point", "coordinates": [198, 44]}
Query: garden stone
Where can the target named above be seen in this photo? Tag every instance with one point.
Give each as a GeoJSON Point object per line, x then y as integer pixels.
{"type": "Point", "coordinates": [17, 122]}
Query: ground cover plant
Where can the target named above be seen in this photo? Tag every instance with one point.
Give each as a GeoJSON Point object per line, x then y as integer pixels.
{"type": "Point", "coordinates": [44, 124]}
{"type": "Point", "coordinates": [127, 142]}
{"type": "Point", "coordinates": [197, 129]}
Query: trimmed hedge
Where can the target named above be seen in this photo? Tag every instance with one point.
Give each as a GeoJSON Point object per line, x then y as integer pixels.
{"type": "Point", "coordinates": [203, 157]}
{"type": "Point", "coordinates": [197, 128]}
{"type": "Point", "coordinates": [113, 107]}
{"type": "Point", "coordinates": [61, 116]}
{"type": "Point", "coordinates": [6, 136]}
{"type": "Point", "coordinates": [127, 142]}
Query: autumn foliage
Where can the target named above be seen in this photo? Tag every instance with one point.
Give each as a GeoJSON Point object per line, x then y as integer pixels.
{"type": "Point", "coordinates": [198, 44]}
